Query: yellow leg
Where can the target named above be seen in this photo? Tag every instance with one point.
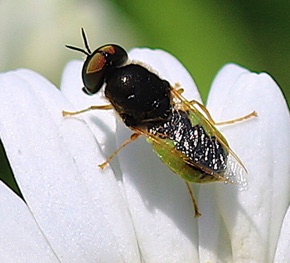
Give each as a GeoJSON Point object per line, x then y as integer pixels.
{"type": "Point", "coordinates": [132, 138]}
{"type": "Point", "coordinates": [101, 107]}
{"type": "Point", "coordinates": [177, 88]}
{"type": "Point", "coordinates": [245, 117]}
{"type": "Point", "coordinates": [205, 110]}
{"type": "Point", "coordinates": [177, 91]}
{"type": "Point", "coordinates": [196, 210]}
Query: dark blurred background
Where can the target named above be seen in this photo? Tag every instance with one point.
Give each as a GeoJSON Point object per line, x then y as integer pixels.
{"type": "Point", "coordinates": [203, 35]}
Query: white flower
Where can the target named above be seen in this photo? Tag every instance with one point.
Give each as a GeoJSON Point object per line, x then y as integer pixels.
{"type": "Point", "coordinates": [136, 210]}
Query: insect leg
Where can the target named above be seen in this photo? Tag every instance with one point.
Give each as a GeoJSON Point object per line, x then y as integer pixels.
{"type": "Point", "coordinates": [177, 87]}
{"type": "Point", "coordinates": [196, 210]}
{"type": "Point", "coordinates": [245, 117]}
{"type": "Point", "coordinates": [205, 110]}
{"type": "Point", "coordinates": [177, 91]}
{"type": "Point", "coordinates": [101, 107]}
{"type": "Point", "coordinates": [132, 138]}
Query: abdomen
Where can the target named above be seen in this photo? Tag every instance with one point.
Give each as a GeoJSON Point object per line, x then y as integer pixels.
{"type": "Point", "coordinates": [187, 149]}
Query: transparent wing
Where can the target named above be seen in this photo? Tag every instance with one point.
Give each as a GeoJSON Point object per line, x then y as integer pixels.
{"type": "Point", "coordinates": [236, 173]}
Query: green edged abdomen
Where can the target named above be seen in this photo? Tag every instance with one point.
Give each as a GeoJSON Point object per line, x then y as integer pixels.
{"type": "Point", "coordinates": [188, 150]}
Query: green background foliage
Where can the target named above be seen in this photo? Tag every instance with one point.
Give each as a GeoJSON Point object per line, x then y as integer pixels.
{"type": "Point", "coordinates": [203, 35]}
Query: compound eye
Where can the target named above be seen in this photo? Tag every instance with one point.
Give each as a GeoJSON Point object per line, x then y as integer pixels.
{"type": "Point", "coordinates": [116, 56]}
{"type": "Point", "coordinates": [99, 64]}
{"type": "Point", "coordinates": [96, 63]}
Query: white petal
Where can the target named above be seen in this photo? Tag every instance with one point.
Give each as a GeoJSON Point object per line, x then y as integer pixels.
{"type": "Point", "coordinates": [221, 87]}
{"type": "Point", "coordinates": [21, 240]}
{"type": "Point", "coordinates": [158, 200]}
{"type": "Point", "coordinates": [101, 122]}
{"type": "Point", "coordinates": [253, 217]}
{"type": "Point", "coordinates": [282, 252]}
{"type": "Point", "coordinates": [77, 206]}
{"type": "Point", "coordinates": [211, 227]}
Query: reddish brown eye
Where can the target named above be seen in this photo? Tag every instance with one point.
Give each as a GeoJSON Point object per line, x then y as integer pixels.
{"type": "Point", "coordinates": [101, 58]}
{"type": "Point", "coordinates": [96, 63]}
{"type": "Point", "coordinates": [100, 63]}
{"type": "Point", "coordinates": [110, 49]}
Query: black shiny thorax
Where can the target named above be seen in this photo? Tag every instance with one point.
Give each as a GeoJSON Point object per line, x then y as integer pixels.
{"type": "Point", "coordinates": [138, 95]}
